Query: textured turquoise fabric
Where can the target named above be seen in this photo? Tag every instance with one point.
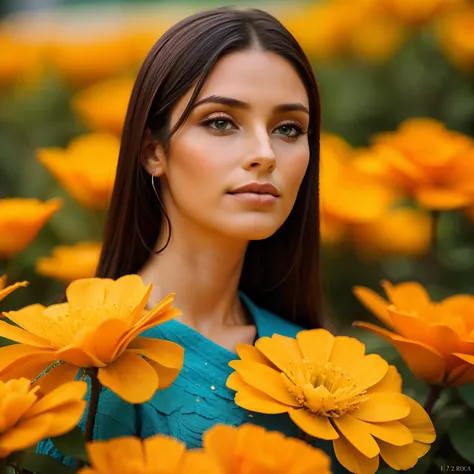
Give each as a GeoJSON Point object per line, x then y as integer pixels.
{"type": "Point", "coordinates": [198, 399]}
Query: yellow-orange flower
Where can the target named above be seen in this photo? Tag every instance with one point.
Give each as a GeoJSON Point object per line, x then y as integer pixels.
{"type": "Point", "coordinates": [69, 263]}
{"type": "Point", "coordinates": [417, 13]}
{"type": "Point", "coordinates": [20, 222]}
{"type": "Point", "coordinates": [400, 232]}
{"type": "Point", "coordinates": [252, 449]}
{"type": "Point", "coordinates": [26, 418]}
{"type": "Point", "coordinates": [434, 339]}
{"type": "Point", "coordinates": [426, 161]}
{"type": "Point", "coordinates": [455, 35]}
{"type": "Point", "coordinates": [154, 455]}
{"type": "Point", "coordinates": [21, 61]}
{"type": "Point", "coordinates": [332, 390]}
{"type": "Point", "coordinates": [102, 106]}
{"type": "Point", "coordinates": [81, 60]}
{"type": "Point", "coordinates": [86, 168]}
{"type": "Point", "coordinates": [6, 290]}
{"type": "Point", "coordinates": [97, 327]}
{"type": "Point", "coordinates": [348, 196]}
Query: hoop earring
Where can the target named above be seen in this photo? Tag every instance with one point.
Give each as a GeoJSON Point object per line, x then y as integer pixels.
{"type": "Point", "coordinates": [154, 189]}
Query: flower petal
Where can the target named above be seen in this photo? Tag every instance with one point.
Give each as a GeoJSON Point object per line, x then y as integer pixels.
{"type": "Point", "coordinates": [21, 336]}
{"type": "Point", "coordinates": [357, 433]}
{"type": "Point", "coordinates": [409, 295]}
{"type": "Point", "coordinates": [252, 354]}
{"type": "Point", "coordinates": [220, 442]}
{"type": "Point", "coordinates": [316, 344]}
{"type": "Point", "coordinates": [19, 360]}
{"type": "Point", "coordinates": [107, 456]}
{"type": "Point", "coordinates": [164, 352]}
{"type": "Point", "coordinates": [393, 432]}
{"type": "Point", "coordinates": [425, 362]}
{"type": "Point", "coordinates": [264, 379]}
{"type": "Point", "coordinates": [347, 353]}
{"type": "Point", "coordinates": [461, 375]}
{"type": "Point", "coordinates": [66, 417]}
{"type": "Point", "coordinates": [402, 457]}
{"type": "Point", "coordinates": [78, 356]}
{"type": "Point", "coordinates": [374, 303]}
{"type": "Point", "coordinates": [252, 399]}
{"type": "Point", "coordinates": [314, 425]}
{"type": "Point", "coordinates": [88, 292]}
{"type": "Point", "coordinates": [55, 377]}
{"type": "Point", "coordinates": [382, 407]}
{"type": "Point", "coordinates": [352, 459]}
{"type": "Point", "coordinates": [166, 376]}
{"type": "Point", "coordinates": [130, 377]}
{"type": "Point", "coordinates": [107, 338]}
{"type": "Point", "coordinates": [279, 352]}
{"type": "Point", "coordinates": [68, 393]}
{"type": "Point", "coordinates": [392, 382]}
{"type": "Point", "coordinates": [4, 292]}
{"type": "Point", "coordinates": [442, 199]}
{"type": "Point", "coordinates": [27, 433]}
{"type": "Point", "coordinates": [419, 422]}
{"type": "Point", "coordinates": [163, 453]}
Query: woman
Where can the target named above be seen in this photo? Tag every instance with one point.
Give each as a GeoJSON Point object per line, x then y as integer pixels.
{"type": "Point", "coordinates": [216, 200]}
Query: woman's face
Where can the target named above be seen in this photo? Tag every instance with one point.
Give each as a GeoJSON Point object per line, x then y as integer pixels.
{"type": "Point", "coordinates": [249, 125]}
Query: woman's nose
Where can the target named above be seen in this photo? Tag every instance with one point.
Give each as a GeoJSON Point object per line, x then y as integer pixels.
{"type": "Point", "coordinates": [260, 152]}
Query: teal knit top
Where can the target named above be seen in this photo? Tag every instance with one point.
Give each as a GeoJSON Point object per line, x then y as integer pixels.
{"type": "Point", "coordinates": [198, 399]}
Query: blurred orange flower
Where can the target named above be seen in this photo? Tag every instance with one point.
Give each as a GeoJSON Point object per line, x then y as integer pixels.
{"type": "Point", "coordinates": [154, 455]}
{"type": "Point", "coordinates": [455, 35]}
{"type": "Point", "coordinates": [69, 263]}
{"type": "Point", "coordinates": [86, 168]}
{"type": "Point", "coordinates": [332, 390]}
{"type": "Point", "coordinates": [426, 161]}
{"type": "Point", "coordinates": [97, 327]}
{"type": "Point", "coordinates": [419, 12]}
{"type": "Point", "coordinates": [348, 197]}
{"type": "Point", "coordinates": [252, 449]}
{"type": "Point", "coordinates": [434, 339]}
{"type": "Point", "coordinates": [20, 222]}
{"type": "Point", "coordinates": [6, 290]}
{"type": "Point", "coordinates": [27, 418]}
{"type": "Point", "coordinates": [21, 61]}
{"type": "Point", "coordinates": [102, 106]}
{"type": "Point", "coordinates": [82, 60]}
{"type": "Point", "coordinates": [400, 232]}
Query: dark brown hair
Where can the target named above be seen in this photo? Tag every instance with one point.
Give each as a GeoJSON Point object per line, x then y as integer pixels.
{"type": "Point", "coordinates": [280, 273]}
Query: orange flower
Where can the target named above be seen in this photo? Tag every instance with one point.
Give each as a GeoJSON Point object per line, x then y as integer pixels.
{"type": "Point", "coordinates": [69, 263]}
{"type": "Point", "coordinates": [400, 232]}
{"type": "Point", "coordinates": [26, 418]}
{"type": "Point", "coordinates": [154, 455]}
{"type": "Point", "coordinates": [332, 390]}
{"type": "Point", "coordinates": [6, 290]}
{"type": "Point", "coordinates": [419, 12]}
{"type": "Point", "coordinates": [426, 161]}
{"type": "Point", "coordinates": [97, 327]}
{"type": "Point", "coordinates": [86, 169]}
{"type": "Point", "coordinates": [455, 36]}
{"type": "Point", "coordinates": [252, 449]}
{"type": "Point", "coordinates": [434, 339]}
{"type": "Point", "coordinates": [20, 222]}
{"type": "Point", "coordinates": [348, 197]}
{"type": "Point", "coordinates": [102, 107]}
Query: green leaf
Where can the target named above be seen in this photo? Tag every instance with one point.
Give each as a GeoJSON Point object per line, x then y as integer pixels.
{"type": "Point", "coordinates": [72, 444]}
{"type": "Point", "coordinates": [466, 392]}
{"type": "Point", "coordinates": [43, 464]}
{"type": "Point", "coordinates": [461, 434]}
{"type": "Point", "coordinates": [6, 342]}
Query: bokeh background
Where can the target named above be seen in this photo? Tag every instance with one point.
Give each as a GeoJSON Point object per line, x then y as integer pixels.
{"type": "Point", "coordinates": [397, 161]}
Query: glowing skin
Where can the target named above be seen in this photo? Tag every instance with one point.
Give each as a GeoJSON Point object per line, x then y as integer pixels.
{"type": "Point", "coordinates": [219, 148]}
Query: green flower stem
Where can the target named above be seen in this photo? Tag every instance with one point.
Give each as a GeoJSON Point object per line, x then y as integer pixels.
{"type": "Point", "coordinates": [96, 388]}
{"type": "Point", "coordinates": [431, 399]}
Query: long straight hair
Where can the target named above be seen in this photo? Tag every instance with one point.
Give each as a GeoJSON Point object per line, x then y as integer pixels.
{"type": "Point", "coordinates": [280, 273]}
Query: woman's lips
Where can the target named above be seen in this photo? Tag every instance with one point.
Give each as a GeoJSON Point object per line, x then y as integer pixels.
{"type": "Point", "coordinates": [255, 198]}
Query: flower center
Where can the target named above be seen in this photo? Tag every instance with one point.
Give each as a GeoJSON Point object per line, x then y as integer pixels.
{"type": "Point", "coordinates": [324, 389]}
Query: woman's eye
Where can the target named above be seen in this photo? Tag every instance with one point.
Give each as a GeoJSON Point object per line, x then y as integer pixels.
{"type": "Point", "coordinates": [290, 130]}
{"type": "Point", "coordinates": [218, 124]}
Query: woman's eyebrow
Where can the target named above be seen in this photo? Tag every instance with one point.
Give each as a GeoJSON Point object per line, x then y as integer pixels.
{"type": "Point", "coordinates": [216, 99]}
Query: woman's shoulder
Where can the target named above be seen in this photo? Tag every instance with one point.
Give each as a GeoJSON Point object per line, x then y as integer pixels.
{"type": "Point", "coordinates": [269, 323]}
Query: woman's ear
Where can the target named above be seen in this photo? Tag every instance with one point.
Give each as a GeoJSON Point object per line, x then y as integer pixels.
{"type": "Point", "coordinates": [153, 157]}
